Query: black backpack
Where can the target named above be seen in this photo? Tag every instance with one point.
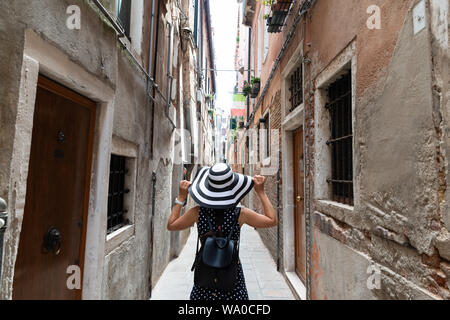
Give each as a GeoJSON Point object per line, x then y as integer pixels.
{"type": "Point", "coordinates": [216, 263]}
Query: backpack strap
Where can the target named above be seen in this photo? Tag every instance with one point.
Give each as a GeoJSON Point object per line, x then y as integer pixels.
{"type": "Point", "coordinates": [196, 253]}
{"type": "Point", "coordinates": [237, 213]}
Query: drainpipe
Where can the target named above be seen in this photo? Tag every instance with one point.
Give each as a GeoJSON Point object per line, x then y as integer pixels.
{"type": "Point", "coordinates": [249, 70]}
{"type": "Point", "coordinates": [3, 224]}
{"type": "Point", "coordinates": [200, 45]}
{"type": "Point", "coordinates": [278, 217]}
{"type": "Point", "coordinates": [151, 229]}
{"type": "Point", "coordinates": [169, 75]}
{"type": "Point", "coordinates": [150, 54]}
{"type": "Point", "coordinates": [247, 142]}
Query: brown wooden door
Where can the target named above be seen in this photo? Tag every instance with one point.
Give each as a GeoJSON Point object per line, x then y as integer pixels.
{"type": "Point", "coordinates": [299, 211]}
{"type": "Point", "coordinates": [57, 192]}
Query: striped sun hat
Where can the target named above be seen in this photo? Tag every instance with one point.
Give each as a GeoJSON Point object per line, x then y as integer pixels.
{"type": "Point", "coordinates": [219, 187]}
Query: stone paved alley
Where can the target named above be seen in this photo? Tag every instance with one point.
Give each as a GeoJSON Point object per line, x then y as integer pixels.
{"type": "Point", "coordinates": [263, 280]}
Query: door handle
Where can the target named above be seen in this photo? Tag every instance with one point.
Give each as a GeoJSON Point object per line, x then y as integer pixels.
{"type": "Point", "coordinates": [52, 241]}
{"type": "Point", "coordinates": [299, 198]}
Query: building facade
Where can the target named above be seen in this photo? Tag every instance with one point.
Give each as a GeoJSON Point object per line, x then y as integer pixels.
{"type": "Point", "coordinates": [356, 97]}
{"type": "Point", "coordinates": [103, 110]}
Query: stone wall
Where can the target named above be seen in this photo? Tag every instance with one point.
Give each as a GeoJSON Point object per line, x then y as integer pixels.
{"type": "Point", "coordinates": [105, 73]}
{"type": "Point", "coordinates": [396, 223]}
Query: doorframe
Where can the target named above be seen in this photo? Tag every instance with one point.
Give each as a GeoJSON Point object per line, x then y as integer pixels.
{"type": "Point", "coordinates": [59, 90]}
{"type": "Point", "coordinates": [40, 57]}
{"type": "Point", "coordinates": [290, 123]}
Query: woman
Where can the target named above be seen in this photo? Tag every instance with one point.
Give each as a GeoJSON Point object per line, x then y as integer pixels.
{"type": "Point", "coordinates": [218, 191]}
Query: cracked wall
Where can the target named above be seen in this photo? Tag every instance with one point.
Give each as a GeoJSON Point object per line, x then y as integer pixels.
{"type": "Point", "coordinates": [400, 159]}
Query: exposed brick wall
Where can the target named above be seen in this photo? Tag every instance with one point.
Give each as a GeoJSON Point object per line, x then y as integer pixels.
{"type": "Point", "coordinates": [269, 236]}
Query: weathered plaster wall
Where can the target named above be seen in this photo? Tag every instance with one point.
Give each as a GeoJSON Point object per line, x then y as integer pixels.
{"type": "Point", "coordinates": [396, 219]}
{"type": "Point", "coordinates": [48, 19]}
{"type": "Point", "coordinates": [123, 272]}
{"type": "Point", "coordinates": [130, 280]}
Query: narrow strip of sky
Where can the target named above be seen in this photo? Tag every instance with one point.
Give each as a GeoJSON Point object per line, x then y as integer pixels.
{"type": "Point", "coordinates": [224, 14]}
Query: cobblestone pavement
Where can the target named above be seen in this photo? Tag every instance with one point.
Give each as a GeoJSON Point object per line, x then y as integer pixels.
{"type": "Point", "coordinates": [263, 280]}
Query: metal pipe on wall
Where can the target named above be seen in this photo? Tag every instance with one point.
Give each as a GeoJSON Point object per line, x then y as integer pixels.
{"type": "Point", "coordinates": [150, 54]}
{"type": "Point", "coordinates": [151, 229]}
{"type": "Point", "coordinates": [247, 142]}
{"type": "Point", "coordinates": [278, 217]}
{"type": "Point", "coordinates": [3, 224]}
{"type": "Point", "coordinates": [169, 75]}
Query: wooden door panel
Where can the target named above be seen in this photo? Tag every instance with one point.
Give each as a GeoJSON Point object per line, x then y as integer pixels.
{"type": "Point", "coordinates": [299, 214]}
{"type": "Point", "coordinates": [57, 192]}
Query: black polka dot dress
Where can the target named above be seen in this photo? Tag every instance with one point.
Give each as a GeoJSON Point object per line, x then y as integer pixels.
{"type": "Point", "coordinates": [240, 290]}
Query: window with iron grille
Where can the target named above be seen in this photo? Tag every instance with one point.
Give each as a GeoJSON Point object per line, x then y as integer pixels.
{"type": "Point", "coordinates": [296, 88]}
{"type": "Point", "coordinates": [341, 140]}
{"type": "Point", "coordinates": [116, 194]}
{"type": "Point", "coordinates": [124, 15]}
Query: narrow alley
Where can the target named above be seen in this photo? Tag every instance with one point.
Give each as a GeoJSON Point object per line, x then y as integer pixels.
{"type": "Point", "coordinates": [263, 280]}
{"type": "Point", "coordinates": [324, 123]}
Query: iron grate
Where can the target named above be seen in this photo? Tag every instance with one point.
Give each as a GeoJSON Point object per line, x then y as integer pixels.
{"type": "Point", "coordinates": [296, 88]}
{"type": "Point", "coordinates": [116, 194]}
{"type": "Point", "coordinates": [341, 141]}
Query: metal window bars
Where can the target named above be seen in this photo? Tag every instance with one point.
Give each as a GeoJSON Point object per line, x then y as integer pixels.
{"type": "Point", "coordinates": [116, 194]}
{"type": "Point", "coordinates": [341, 141]}
{"type": "Point", "coordinates": [124, 16]}
{"type": "Point", "coordinates": [296, 89]}
{"type": "Point", "coordinates": [279, 11]}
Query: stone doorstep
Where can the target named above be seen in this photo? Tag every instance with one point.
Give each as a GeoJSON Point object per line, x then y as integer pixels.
{"type": "Point", "coordinates": [296, 285]}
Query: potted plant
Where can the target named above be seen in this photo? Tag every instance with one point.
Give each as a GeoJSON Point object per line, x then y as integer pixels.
{"type": "Point", "coordinates": [281, 5]}
{"type": "Point", "coordinates": [279, 11]}
{"type": "Point", "coordinates": [241, 122]}
{"type": "Point", "coordinates": [246, 89]}
{"type": "Point", "coordinates": [268, 2]}
{"type": "Point", "coordinates": [256, 86]}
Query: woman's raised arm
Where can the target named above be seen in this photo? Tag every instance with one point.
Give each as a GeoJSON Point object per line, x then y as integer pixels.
{"type": "Point", "coordinates": [250, 217]}
{"type": "Point", "coordinates": [177, 223]}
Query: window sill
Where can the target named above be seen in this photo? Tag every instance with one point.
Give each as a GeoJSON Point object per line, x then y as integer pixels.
{"type": "Point", "coordinates": [296, 284]}
{"type": "Point", "coordinates": [116, 238]}
{"type": "Point", "coordinates": [334, 209]}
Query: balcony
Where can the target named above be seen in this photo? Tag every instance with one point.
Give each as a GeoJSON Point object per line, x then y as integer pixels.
{"type": "Point", "coordinates": [278, 13]}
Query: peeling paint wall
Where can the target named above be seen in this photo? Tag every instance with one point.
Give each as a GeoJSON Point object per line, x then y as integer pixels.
{"type": "Point", "coordinates": [400, 221]}
{"type": "Point", "coordinates": [399, 166]}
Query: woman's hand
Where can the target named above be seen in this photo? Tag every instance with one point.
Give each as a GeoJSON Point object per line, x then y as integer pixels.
{"type": "Point", "coordinates": [259, 184]}
{"type": "Point", "coordinates": [184, 190]}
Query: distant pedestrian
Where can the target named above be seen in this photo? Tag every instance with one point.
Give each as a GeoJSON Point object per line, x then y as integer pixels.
{"type": "Point", "coordinates": [218, 191]}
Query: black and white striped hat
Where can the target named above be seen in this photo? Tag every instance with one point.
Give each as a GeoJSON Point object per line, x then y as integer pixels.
{"type": "Point", "coordinates": [219, 187]}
